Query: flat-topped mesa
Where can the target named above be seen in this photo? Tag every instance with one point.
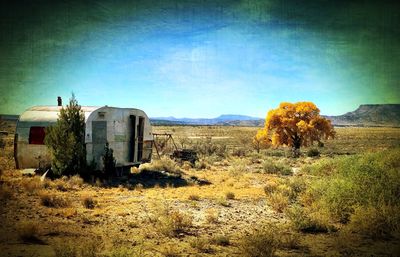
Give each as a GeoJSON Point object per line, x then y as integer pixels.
{"type": "Point", "coordinates": [370, 115]}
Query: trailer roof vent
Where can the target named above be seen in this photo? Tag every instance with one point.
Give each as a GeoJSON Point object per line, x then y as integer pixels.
{"type": "Point", "coordinates": [102, 115]}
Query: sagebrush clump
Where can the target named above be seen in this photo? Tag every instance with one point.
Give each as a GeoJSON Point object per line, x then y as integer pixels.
{"type": "Point", "coordinates": [32, 185]}
{"type": "Point", "coordinates": [208, 148]}
{"type": "Point", "coordinates": [53, 200]}
{"type": "Point", "coordinates": [278, 201]}
{"type": "Point", "coordinates": [194, 197]}
{"type": "Point", "coordinates": [230, 195]}
{"type": "Point", "coordinates": [201, 244]}
{"type": "Point", "coordinates": [171, 222]}
{"type": "Point", "coordinates": [163, 164]}
{"type": "Point", "coordinates": [303, 221]}
{"type": "Point", "coordinates": [260, 243]}
{"type": "Point", "coordinates": [270, 166]}
{"type": "Point", "coordinates": [313, 152]}
{"type": "Point", "coordinates": [211, 216]}
{"type": "Point", "coordinates": [28, 231]}
{"type": "Point", "coordinates": [345, 188]}
{"type": "Point", "coordinates": [88, 202]}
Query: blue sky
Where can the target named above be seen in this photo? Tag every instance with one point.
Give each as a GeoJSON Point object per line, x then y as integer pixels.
{"type": "Point", "coordinates": [201, 58]}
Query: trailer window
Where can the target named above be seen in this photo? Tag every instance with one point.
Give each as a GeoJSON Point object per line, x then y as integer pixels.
{"type": "Point", "coordinates": [36, 135]}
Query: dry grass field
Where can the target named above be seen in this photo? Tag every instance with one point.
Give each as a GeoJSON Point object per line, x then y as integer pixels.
{"type": "Point", "coordinates": [232, 202]}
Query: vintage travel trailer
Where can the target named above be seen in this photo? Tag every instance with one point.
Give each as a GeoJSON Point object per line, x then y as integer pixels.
{"type": "Point", "coordinates": [127, 130]}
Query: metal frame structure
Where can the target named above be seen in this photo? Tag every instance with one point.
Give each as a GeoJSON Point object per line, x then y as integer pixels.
{"type": "Point", "coordinates": [159, 146]}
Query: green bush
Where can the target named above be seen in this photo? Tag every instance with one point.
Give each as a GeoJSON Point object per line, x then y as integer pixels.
{"type": "Point", "coordinates": [270, 166]}
{"type": "Point", "coordinates": [297, 184]}
{"type": "Point", "coordinates": [239, 152]}
{"type": "Point", "coordinates": [69, 248]}
{"type": "Point", "coordinates": [304, 222]}
{"type": "Point", "coordinates": [346, 187]}
{"type": "Point", "coordinates": [109, 161]}
{"type": "Point", "coordinates": [376, 221]}
{"type": "Point", "coordinates": [238, 167]}
{"type": "Point", "coordinates": [260, 243]}
{"type": "Point", "coordinates": [66, 140]}
{"type": "Point", "coordinates": [207, 148]}
{"type": "Point", "coordinates": [323, 167]}
{"type": "Point", "coordinates": [65, 249]}
{"type": "Point", "coordinates": [312, 152]}
{"type": "Point", "coordinates": [278, 201]}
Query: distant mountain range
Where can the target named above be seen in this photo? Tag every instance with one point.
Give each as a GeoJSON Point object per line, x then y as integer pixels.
{"type": "Point", "coordinates": [225, 119]}
{"type": "Point", "coordinates": [365, 115]}
{"type": "Point", "coordinates": [385, 115]}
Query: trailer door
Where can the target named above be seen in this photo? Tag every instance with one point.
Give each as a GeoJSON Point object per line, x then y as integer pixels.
{"type": "Point", "coordinates": [99, 136]}
{"type": "Point", "coordinates": [132, 138]}
{"type": "Point", "coordinates": [140, 129]}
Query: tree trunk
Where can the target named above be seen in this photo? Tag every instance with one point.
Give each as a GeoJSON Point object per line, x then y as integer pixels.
{"type": "Point", "coordinates": [296, 146]}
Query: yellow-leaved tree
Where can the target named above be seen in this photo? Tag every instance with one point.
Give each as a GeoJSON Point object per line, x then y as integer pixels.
{"type": "Point", "coordinates": [260, 140]}
{"type": "Point", "coordinates": [295, 125]}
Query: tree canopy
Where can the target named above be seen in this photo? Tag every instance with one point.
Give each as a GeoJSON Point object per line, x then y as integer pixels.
{"type": "Point", "coordinates": [295, 125]}
{"type": "Point", "coordinates": [260, 140]}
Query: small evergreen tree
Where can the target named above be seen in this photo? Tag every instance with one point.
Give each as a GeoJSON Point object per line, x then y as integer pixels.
{"type": "Point", "coordinates": [108, 161]}
{"type": "Point", "coordinates": [66, 140]}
